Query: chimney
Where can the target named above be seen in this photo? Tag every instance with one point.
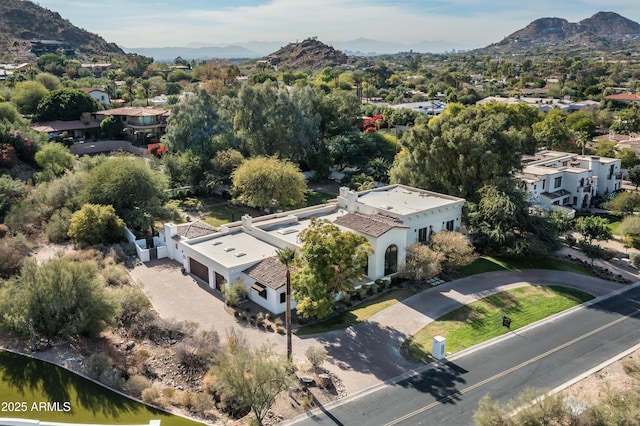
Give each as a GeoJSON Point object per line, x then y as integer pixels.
{"type": "Point", "coordinates": [246, 221]}
{"type": "Point", "coordinates": [352, 198]}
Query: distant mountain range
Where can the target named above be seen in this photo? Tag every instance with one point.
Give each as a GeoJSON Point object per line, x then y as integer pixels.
{"type": "Point", "coordinates": [602, 31]}
{"type": "Point", "coordinates": [257, 49]}
{"type": "Point", "coordinates": [24, 20]}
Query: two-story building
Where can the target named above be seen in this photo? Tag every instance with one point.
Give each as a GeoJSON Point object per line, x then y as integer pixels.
{"type": "Point", "coordinates": [556, 178]}
{"type": "Point", "coordinates": [141, 124]}
{"type": "Point", "coordinates": [391, 218]}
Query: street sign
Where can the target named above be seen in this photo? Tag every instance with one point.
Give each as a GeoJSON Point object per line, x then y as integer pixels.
{"type": "Point", "coordinates": [506, 322]}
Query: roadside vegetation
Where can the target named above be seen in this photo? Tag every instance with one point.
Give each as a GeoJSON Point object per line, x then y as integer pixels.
{"type": "Point", "coordinates": [500, 263]}
{"type": "Point", "coordinates": [482, 320]}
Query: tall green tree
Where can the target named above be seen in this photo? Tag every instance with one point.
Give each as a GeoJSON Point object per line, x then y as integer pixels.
{"type": "Point", "coordinates": [200, 125]}
{"type": "Point", "coordinates": [65, 104]}
{"type": "Point", "coordinates": [459, 152]}
{"type": "Point", "coordinates": [267, 182]}
{"type": "Point", "coordinates": [136, 192]}
{"type": "Point", "coordinates": [593, 228]}
{"type": "Point", "coordinates": [500, 223]}
{"type": "Point", "coordinates": [28, 95]}
{"type": "Point", "coordinates": [63, 298]}
{"type": "Point", "coordinates": [329, 261]}
{"type": "Point", "coordinates": [553, 132]}
{"type": "Point", "coordinates": [633, 174]}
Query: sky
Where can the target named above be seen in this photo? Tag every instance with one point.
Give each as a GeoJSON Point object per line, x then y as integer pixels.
{"type": "Point", "coordinates": [466, 23]}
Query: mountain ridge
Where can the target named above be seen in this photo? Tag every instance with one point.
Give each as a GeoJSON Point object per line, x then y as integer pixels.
{"type": "Point", "coordinates": [17, 18]}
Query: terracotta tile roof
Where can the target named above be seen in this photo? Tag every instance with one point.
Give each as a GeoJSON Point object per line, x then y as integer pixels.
{"type": "Point", "coordinates": [369, 224]}
{"type": "Point", "coordinates": [269, 272]}
{"type": "Point", "coordinates": [134, 112]}
{"type": "Point", "coordinates": [629, 97]}
{"type": "Point", "coordinates": [195, 229]}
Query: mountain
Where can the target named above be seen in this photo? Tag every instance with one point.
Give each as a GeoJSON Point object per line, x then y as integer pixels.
{"type": "Point", "coordinates": [604, 30]}
{"type": "Point", "coordinates": [23, 20]}
{"type": "Point", "coordinates": [309, 54]}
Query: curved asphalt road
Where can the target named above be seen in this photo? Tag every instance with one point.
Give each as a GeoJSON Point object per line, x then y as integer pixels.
{"type": "Point", "coordinates": [541, 356]}
{"type": "Point", "coordinates": [368, 353]}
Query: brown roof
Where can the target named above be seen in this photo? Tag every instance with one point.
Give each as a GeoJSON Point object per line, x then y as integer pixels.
{"type": "Point", "coordinates": [629, 97]}
{"type": "Point", "coordinates": [195, 229]}
{"type": "Point", "coordinates": [61, 126]}
{"type": "Point", "coordinates": [92, 89]}
{"type": "Point", "coordinates": [134, 112]}
{"type": "Point", "coordinates": [369, 224]}
{"type": "Point", "coordinates": [269, 272]}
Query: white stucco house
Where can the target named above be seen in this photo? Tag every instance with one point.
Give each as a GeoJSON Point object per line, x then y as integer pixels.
{"type": "Point", "coordinates": [556, 178]}
{"type": "Point", "coordinates": [391, 218]}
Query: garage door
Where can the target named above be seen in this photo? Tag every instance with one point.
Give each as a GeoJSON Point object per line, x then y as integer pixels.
{"type": "Point", "coordinates": [199, 270]}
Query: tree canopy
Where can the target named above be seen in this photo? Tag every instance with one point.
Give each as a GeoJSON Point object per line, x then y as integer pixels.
{"type": "Point", "coordinates": [135, 191]}
{"type": "Point", "coordinates": [267, 182]}
{"type": "Point", "coordinates": [329, 261]}
{"type": "Point", "coordinates": [64, 104]}
{"type": "Point", "coordinates": [459, 152]}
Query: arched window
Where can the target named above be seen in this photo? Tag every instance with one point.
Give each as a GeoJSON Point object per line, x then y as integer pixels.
{"type": "Point", "coordinates": [391, 260]}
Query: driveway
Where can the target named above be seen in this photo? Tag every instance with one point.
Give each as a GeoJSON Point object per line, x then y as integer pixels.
{"type": "Point", "coordinates": [363, 355]}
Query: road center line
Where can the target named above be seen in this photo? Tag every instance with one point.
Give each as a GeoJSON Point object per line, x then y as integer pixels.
{"type": "Point", "coordinates": [510, 370]}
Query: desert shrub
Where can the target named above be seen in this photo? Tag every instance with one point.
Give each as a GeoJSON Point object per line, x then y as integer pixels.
{"type": "Point", "coordinates": [203, 402]}
{"type": "Point", "coordinates": [278, 322]}
{"type": "Point", "coordinates": [13, 251]}
{"type": "Point", "coordinates": [147, 325]}
{"type": "Point", "coordinates": [260, 319]}
{"type": "Point", "coordinates": [129, 249]}
{"type": "Point", "coordinates": [635, 259]}
{"type": "Point", "coordinates": [115, 275]}
{"type": "Point", "coordinates": [316, 356]}
{"type": "Point", "coordinates": [136, 385]}
{"type": "Point", "coordinates": [132, 301]}
{"type": "Point", "coordinates": [153, 395]}
{"type": "Point", "coordinates": [57, 227]}
{"type": "Point", "coordinates": [195, 352]}
{"type": "Point", "coordinates": [96, 364]}
{"type": "Point", "coordinates": [570, 240]}
{"type": "Point", "coordinates": [235, 293]}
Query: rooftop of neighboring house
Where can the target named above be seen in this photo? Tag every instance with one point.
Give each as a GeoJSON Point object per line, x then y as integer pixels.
{"type": "Point", "coordinates": [563, 104]}
{"type": "Point", "coordinates": [544, 163]}
{"type": "Point", "coordinates": [64, 126]}
{"type": "Point", "coordinates": [92, 89]}
{"type": "Point", "coordinates": [134, 111]}
{"type": "Point", "coordinates": [626, 97]}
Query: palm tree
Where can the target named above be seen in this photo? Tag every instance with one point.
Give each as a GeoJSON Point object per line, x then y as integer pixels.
{"type": "Point", "coordinates": [286, 257]}
{"type": "Point", "coordinates": [582, 138]}
{"type": "Point", "coordinates": [146, 86]}
{"type": "Point", "coordinates": [130, 83]}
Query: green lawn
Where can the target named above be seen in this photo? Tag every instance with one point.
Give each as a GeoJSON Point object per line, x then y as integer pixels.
{"type": "Point", "coordinates": [492, 264]}
{"type": "Point", "coordinates": [315, 197]}
{"type": "Point", "coordinates": [23, 379]}
{"type": "Point", "coordinates": [358, 314]}
{"type": "Point", "coordinates": [482, 320]}
{"type": "Point", "coordinates": [613, 225]}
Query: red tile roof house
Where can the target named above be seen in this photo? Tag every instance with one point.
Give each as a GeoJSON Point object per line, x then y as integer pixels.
{"type": "Point", "coordinates": [71, 131]}
{"type": "Point", "coordinates": [625, 97]}
{"type": "Point", "coordinates": [391, 218]}
{"type": "Point", "coordinates": [142, 125]}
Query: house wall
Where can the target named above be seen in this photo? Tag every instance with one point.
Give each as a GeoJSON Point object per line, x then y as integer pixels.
{"type": "Point", "coordinates": [435, 219]}
{"type": "Point", "coordinates": [397, 236]}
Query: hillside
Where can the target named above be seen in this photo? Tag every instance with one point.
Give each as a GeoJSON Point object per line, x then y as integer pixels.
{"type": "Point", "coordinates": [604, 30]}
{"type": "Point", "coordinates": [309, 54]}
{"type": "Point", "coordinates": [23, 20]}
